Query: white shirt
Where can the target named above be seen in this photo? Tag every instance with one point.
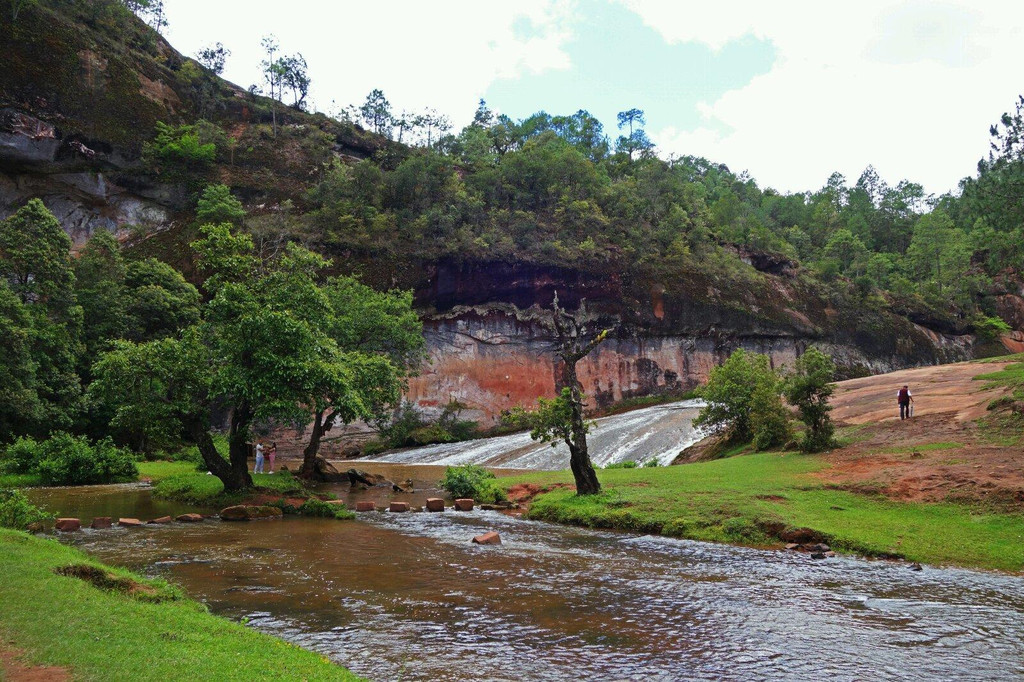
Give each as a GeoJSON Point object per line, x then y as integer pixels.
{"type": "Point", "coordinates": [259, 448]}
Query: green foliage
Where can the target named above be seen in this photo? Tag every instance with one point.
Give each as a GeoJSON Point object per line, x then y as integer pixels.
{"type": "Point", "coordinates": [990, 328]}
{"type": "Point", "coordinates": [769, 418]}
{"type": "Point", "coordinates": [17, 512]}
{"type": "Point", "coordinates": [472, 481]}
{"type": "Point", "coordinates": [730, 396]}
{"type": "Point", "coordinates": [177, 151]}
{"type": "Point", "coordinates": [70, 460]}
{"type": "Point", "coordinates": [22, 456]}
{"type": "Point", "coordinates": [318, 508]}
{"type": "Point", "coordinates": [627, 464]}
{"type": "Point", "coordinates": [808, 388]}
{"type": "Point", "coordinates": [551, 422]}
{"type": "Point", "coordinates": [217, 205]}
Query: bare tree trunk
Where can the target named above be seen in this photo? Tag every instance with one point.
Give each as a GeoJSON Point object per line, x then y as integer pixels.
{"type": "Point", "coordinates": [238, 449]}
{"type": "Point", "coordinates": [321, 425]}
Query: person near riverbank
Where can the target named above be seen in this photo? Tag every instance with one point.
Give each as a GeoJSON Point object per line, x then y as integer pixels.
{"type": "Point", "coordinates": [271, 455]}
{"type": "Point", "coordinates": [259, 458]}
{"type": "Point", "coordinates": [905, 399]}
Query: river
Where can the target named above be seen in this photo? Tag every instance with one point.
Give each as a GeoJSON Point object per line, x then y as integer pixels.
{"type": "Point", "coordinates": [408, 597]}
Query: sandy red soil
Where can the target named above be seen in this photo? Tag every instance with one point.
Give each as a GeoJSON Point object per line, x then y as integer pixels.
{"type": "Point", "coordinates": [14, 670]}
{"type": "Point", "coordinates": [892, 457]}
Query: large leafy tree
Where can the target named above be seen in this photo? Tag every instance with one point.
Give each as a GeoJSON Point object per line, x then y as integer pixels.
{"type": "Point", "coordinates": [35, 261]}
{"type": "Point", "coordinates": [20, 409]}
{"type": "Point", "coordinates": [809, 388]}
{"type": "Point", "coordinates": [730, 394]}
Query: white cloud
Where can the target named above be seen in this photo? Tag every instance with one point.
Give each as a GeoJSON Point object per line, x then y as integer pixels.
{"type": "Point", "coordinates": [908, 87]}
{"type": "Point", "coordinates": [443, 55]}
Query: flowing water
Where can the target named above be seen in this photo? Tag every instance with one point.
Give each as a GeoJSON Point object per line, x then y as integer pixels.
{"type": "Point", "coordinates": [658, 432]}
{"type": "Point", "coordinates": [408, 597]}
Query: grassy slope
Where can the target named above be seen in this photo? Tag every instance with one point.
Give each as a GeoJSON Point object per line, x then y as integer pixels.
{"type": "Point", "coordinates": [181, 481]}
{"type": "Point", "coordinates": [104, 635]}
{"type": "Point", "coordinates": [741, 499]}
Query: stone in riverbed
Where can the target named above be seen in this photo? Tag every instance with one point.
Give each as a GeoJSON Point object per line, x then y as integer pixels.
{"type": "Point", "coordinates": [129, 523]}
{"type": "Point", "coordinates": [464, 504]}
{"type": "Point", "coordinates": [365, 507]}
{"type": "Point", "coordinates": [67, 525]}
{"type": "Point", "coordinates": [189, 518]}
{"type": "Point", "coordinates": [399, 507]}
{"type": "Point", "coordinates": [435, 504]}
{"type": "Point", "coordinates": [162, 519]}
{"type": "Point", "coordinates": [489, 538]}
{"type": "Point", "coordinates": [250, 512]}
{"type": "Point", "coordinates": [101, 523]}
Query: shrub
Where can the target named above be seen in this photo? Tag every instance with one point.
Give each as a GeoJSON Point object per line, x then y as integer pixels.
{"type": "Point", "coordinates": [808, 389]}
{"type": "Point", "coordinates": [652, 462]}
{"type": "Point", "coordinates": [22, 456]}
{"type": "Point", "coordinates": [769, 419]}
{"type": "Point", "coordinates": [627, 464]}
{"type": "Point", "coordinates": [17, 512]}
{"type": "Point", "coordinates": [470, 480]}
{"type": "Point", "coordinates": [990, 328]}
{"type": "Point", "coordinates": [318, 508]}
{"type": "Point", "coordinates": [730, 390]}
{"type": "Point", "coordinates": [70, 460]}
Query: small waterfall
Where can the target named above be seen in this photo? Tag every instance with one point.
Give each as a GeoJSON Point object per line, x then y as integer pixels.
{"type": "Point", "coordinates": [658, 432]}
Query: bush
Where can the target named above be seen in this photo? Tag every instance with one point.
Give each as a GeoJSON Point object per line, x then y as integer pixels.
{"type": "Point", "coordinates": [730, 391]}
{"type": "Point", "coordinates": [17, 512]}
{"type": "Point", "coordinates": [318, 508]}
{"type": "Point", "coordinates": [22, 456]}
{"type": "Point", "coordinates": [769, 419]}
{"type": "Point", "coordinates": [470, 480]}
{"type": "Point", "coordinates": [809, 389]}
{"type": "Point", "coordinates": [70, 460]}
{"type": "Point", "coordinates": [627, 464]}
{"type": "Point", "coordinates": [990, 328]}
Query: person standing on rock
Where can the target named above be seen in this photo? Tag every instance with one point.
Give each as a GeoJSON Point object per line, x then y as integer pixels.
{"type": "Point", "coordinates": [259, 458]}
{"type": "Point", "coordinates": [905, 398]}
{"type": "Point", "coordinates": [271, 455]}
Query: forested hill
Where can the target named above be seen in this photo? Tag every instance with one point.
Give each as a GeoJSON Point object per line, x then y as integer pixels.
{"type": "Point", "coordinates": [116, 130]}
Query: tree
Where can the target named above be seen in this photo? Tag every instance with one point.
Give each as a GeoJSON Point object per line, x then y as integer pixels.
{"type": "Point", "coordinates": [561, 418]}
{"type": "Point", "coordinates": [99, 284]}
{"type": "Point", "coordinates": [217, 205]}
{"type": "Point", "coordinates": [808, 389]}
{"type": "Point", "coordinates": [295, 77]}
{"type": "Point", "coordinates": [36, 263]}
{"type": "Point", "coordinates": [20, 408]}
{"type": "Point", "coordinates": [376, 113]}
{"type": "Point", "coordinates": [158, 302]}
{"type": "Point", "coordinates": [273, 74]}
{"type": "Point", "coordinates": [938, 251]}
{"type": "Point", "coordinates": [730, 390]}
{"type": "Point", "coordinates": [213, 58]}
{"type": "Point", "coordinates": [382, 338]}
{"type": "Point", "coordinates": [636, 141]}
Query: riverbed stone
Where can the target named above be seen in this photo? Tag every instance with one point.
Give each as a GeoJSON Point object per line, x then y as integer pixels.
{"type": "Point", "coordinates": [464, 504]}
{"type": "Point", "coordinates": [800, 536]}
{"type": "Point", "coordinates": [129, 523]}
{"type": "Point", "coordinates": [101, 523]}
{"type": "Point", "coordinates": [365, 506]}
{"type": "Point", "coordinates": [162, 519]}
{"type": "Point", "coordinates": [67, 525]}
{"type": "Point", "coordinates": [189, 518]}
{"type": "Point", "coordinates": [489, 538]}
{"type": "Point", "coordinates": [399, 507]}
{"type": "Point", "coordinates": [435, 504]}
{"type": "Point", "coordinates": [250, 512]}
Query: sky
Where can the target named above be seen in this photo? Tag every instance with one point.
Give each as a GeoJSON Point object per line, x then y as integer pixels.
{"type": "Point", "coordinates": [788, 91]}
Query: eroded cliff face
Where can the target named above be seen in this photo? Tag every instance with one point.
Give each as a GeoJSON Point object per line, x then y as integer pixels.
{"type": "Point", "coordinates": [488, 334]}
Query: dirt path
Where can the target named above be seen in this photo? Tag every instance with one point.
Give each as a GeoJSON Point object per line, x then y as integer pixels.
{"type": "Point", "coordinates": [940, 453]}
{"type": "Point", "coordinates": [13, 670]}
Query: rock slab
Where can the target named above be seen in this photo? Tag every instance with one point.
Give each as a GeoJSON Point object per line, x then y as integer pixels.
{"type": "Point", "coordinates": [162, 519]}
{"type": "Point", "coordinates": [399, 507]}
{"type": "Point", "coordinates": [435, 504]}
{"type": "Point", "coordinates": [101, 523]}
{"type": "Point", "coordinates": [490, 538]}
{"type": "Point", "coordinates": [249, 512]}
{"type": "Point", "coordinates": [365, 506]}
{"type": "Point", "coordinates": [67, 525]}
{"type": "Point", "coordinates": [189, 518]}
{"type": "Point", "coordinates": [464, 504]}
{"type": "Point", "coordinates": [129, 523]}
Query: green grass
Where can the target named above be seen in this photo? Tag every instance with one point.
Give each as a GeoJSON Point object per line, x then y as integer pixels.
{"type": "Point", "coordinates": [748, 499]}
{"type": "Point", "coordinates": [201, 488]}
{"type": "Point", "coordinates": [925, 447]}
{"type": "Point", "coordinates": [161, 469]}
{"type": "Point", "coordinates": [19, 480]}
{"type": "Point", "coordinates": [109, 635]}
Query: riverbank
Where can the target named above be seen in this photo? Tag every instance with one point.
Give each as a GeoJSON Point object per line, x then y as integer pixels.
{"type": "Point", "coordinates": [947, 487]}
{"type": "Point", "coordinates": [129, 624]}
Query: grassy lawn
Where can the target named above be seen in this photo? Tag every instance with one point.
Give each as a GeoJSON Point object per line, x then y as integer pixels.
{"type": "Point", "coordinates": [200, 488]}
{"type": "Point", "coordinates": [19, 480]}
{"type": "Point", "coordinates": [748, 498]}
{"type": "Point", "coordinates": [104, 634]}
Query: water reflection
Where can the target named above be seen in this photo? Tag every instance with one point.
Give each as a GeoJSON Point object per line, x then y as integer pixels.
{"type": "Point", "coordinates": [406, 596]}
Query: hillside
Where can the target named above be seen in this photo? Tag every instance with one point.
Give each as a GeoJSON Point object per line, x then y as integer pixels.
{"type": "Point", "coordinates": [686, 260]}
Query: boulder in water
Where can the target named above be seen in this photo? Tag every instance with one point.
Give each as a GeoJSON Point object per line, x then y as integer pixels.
{"type": "Point", "coordinates": [189, 518]}
{"type": "Point", "coordinates": [435, 504]}
{"type": "Point", "coordinates": [365, 507]}
{"type": "Point", "coordinates": [162, 519]}
{"type": "Point", "coordinates": [67, 525]}
{"type": "Point", "coordinates": [489, 538]}
{"type": "Point", "coordinates": [399, 507]}
{"type": "Point", "coordinates": [129, 523]}
{"type": "Point", "coordinates": [249, 512]}
{"type": "Point", "coordinates": [464, 504]}
{"type": "Point", "coordinates": [101, 523]}
{"type": "Point", "coordinates": [358, 476]}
